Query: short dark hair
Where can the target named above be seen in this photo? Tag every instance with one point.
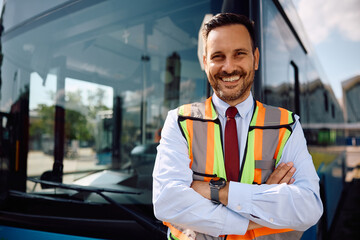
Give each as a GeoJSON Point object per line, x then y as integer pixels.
{"type": "Point", "coordinates": [224, 19]}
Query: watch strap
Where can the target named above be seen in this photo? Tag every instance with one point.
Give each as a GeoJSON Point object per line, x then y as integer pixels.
{"type": "Point", "coordinates": [214, 194]}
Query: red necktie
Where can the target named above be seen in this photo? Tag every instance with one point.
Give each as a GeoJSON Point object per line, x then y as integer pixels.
{"type": "Point", "coordinates": [232, 164]}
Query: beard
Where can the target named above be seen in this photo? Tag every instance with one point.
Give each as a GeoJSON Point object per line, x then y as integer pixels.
{"type": "Point", "coordinates": [246, 80]}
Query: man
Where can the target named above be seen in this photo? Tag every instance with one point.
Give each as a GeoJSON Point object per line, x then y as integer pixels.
{"type": "Point", "coordinates": [235, 138]}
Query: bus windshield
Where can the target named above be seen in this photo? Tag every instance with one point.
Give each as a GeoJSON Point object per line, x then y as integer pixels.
{"type": "Point", "coordinates": [99, 82]}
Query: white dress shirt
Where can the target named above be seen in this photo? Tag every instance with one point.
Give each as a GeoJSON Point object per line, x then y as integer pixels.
{"type": "Point", "coordinates": [296, 206]}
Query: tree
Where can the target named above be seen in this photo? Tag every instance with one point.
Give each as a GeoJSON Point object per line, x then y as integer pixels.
{"type": "Point", "coordinates": [79, 117]}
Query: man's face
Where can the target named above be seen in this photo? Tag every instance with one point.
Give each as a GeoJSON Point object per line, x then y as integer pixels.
{"type": "Point", "coordinates": [230, 62]}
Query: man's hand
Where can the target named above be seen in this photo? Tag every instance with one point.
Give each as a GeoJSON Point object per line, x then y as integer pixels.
{"type": "Point", "coordinates": [282, 174]}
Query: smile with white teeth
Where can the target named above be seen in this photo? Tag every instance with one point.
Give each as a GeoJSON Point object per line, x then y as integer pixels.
{"type": "Point", "coordinates": [230, 79]}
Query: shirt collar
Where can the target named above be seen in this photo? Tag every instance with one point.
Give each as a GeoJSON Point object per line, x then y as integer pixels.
{"type": "Point", "coordinates": [243, 108]}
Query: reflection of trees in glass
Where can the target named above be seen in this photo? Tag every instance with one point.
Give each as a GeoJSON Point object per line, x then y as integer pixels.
{"type": "Point", "coordinates": [77, 126]}
{"type": "Point", "coordinates": [44, 124]}
{"type": "Point", "coordinates": [96, 102]}
{"type": "Point", "coordinates": [79, 118]}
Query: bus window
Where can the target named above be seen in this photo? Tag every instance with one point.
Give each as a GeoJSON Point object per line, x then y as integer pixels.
{"type": "Point", "coordinates": [283, 56]}
{"type": "Point", "coordinates": [100, 82]}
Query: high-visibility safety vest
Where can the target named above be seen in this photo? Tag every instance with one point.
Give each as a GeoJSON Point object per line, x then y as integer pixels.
{"type": "Point", "coordinates": [269, 130]}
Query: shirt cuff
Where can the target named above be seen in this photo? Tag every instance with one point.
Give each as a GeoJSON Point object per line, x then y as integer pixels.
{"type": "Point", "coordinates": [240, 197]}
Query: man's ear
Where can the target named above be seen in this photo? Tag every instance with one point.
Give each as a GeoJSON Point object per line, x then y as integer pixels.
{"type": "Point", "coordinates": [256, 58]}
{"type": "Point", "coordinates": [205, 63]}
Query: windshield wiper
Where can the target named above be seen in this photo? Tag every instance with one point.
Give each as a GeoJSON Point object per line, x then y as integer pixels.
{"type": "Point", "coordinates": [81, 188]}
{"type": "Point", "coordinates": [141, 219]}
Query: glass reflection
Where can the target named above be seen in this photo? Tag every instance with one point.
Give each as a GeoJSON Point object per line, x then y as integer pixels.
{"type": "Point", "coordinates": [101, 80]}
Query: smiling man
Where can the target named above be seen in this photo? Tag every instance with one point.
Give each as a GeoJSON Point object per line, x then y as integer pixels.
{"type": "Point", "coordinates": [230, 62]}
{"type": "Point", "coordinates": [232, 167]}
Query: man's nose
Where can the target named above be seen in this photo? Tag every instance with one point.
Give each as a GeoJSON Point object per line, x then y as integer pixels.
{"type": "Point", "coordinates": [229, 66]}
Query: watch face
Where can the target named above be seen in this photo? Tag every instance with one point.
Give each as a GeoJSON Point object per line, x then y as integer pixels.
{"type": "Point", "coordinates": [217, 181]}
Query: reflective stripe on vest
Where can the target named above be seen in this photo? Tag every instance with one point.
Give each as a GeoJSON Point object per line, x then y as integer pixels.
{"type": "Point", "coordinates": [269, 130]}
{"type": "Point", "coordinates": [204, 139]}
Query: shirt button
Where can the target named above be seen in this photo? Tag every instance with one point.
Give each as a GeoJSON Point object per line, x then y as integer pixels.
{"type": "Point", "coordinates": [238, 207]}
{"type": "Point", "coordinates": [271, 220]}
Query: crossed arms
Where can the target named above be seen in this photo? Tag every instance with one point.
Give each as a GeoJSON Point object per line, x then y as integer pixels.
{"type": "Point", "coordinates": [280, 203]}
{"type": "Point", "coordinates": [282, 174]}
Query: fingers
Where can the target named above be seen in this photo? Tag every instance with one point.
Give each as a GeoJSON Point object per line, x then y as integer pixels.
{"type": "Point", "coordinates": [282, 174]}
{"type": "Point", "coordinates": [287, 174]}
{"type": "Point", "coordinates": [292, 180]}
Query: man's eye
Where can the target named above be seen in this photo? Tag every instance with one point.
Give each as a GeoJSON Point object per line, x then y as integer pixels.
{"type": "Point", "coordinates": [217, 57]}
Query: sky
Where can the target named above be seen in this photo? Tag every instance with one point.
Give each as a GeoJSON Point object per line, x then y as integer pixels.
{"type": "Point", "coordinates": [333, 27]}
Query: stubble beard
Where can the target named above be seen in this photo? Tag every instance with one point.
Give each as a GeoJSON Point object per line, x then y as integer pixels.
{"type": "Point", "coordinates": [246, 81]}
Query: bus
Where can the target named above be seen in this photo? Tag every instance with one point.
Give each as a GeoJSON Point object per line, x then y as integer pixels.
{"type": "Point", "coordinates": [96, 78]}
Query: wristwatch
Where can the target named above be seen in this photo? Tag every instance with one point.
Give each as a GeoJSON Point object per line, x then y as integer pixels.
{"type": "Point", "coordinates": [216, 184]}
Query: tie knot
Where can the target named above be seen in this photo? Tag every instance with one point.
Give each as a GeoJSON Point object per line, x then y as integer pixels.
{"type": "Point", "coordinates": [231, 112]}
